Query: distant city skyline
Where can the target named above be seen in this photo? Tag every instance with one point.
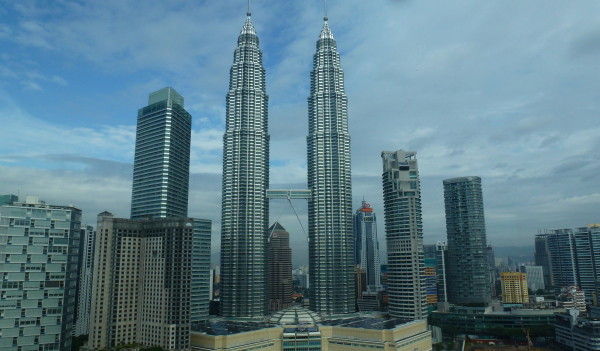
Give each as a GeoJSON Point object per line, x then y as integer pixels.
{"type": "Point", "coordinates": [511, 89]}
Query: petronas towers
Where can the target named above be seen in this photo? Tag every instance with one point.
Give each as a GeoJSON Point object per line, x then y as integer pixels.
{"type": "Point", "coordinates": [331, 247]}
{"type": "Point", "coordinates": [245, 206]}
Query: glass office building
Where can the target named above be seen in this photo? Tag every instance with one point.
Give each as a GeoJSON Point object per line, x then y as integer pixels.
{"type": "Point", "coordinates": [366, 246]}
{"type": "Point", "coordinates": [161, 167]}
{"type": "Point", "coordinates": [38, 262]}
{"type": "Point", "coordinates": [468, 275]}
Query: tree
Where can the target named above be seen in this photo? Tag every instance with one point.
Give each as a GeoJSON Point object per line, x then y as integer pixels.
{"type": "Point", "coordinates": [78, 341]}
{"type": "Point", "coordinates": [152, 348]}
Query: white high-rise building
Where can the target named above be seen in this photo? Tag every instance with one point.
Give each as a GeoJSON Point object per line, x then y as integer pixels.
{"type": "Point", "coordinates": [535, 277]}
{"type": "Point", "coordinates": [404, 235]}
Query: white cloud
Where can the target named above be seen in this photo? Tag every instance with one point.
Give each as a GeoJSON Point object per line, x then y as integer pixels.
{"type": "Point", "coordinates": [503, 90]}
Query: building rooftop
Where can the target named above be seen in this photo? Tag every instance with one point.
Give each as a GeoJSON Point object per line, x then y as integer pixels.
{"type": "Point", "coordinates": [375, 323]}
{"type": "Point", "coordinates": [298, 317]}
{"type": "Point", "coordinates": [227, 327]}
{"type": "Point", "coordinates": [294, 315]}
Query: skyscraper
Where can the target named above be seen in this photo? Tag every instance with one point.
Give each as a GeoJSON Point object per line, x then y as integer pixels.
{"type": "Point", "coordinates": [468, 277]}
{"type": "Point", "coordinates": [404, 235]}
{"type": "Point", "coordinates": [366, 246]}
{"type": "Point", "coordinates": [280, 268]}
{"type": "Point", "coordinates": [201, 274]}
{"type": "Point", "coordinates": [563, 260]}
{"type": "Point", "coordinates": [441, 259]}
{"type": "Point", "coordinates": [331, 256]}
{"type": "Point", "coordinates": [245, 207]}
{"type": "Point", "coordinates": [143, 282]}
{"type": "Point", "coordinates": [38, 264]}
{"type": "Point", "coordinates": [84, 298]}
{"type": "Point", "coordinates": [491, 259]}
{"type": "Point", "coordinates": [587, 253]}
{"type": "Point", "coordinates": [161, 166]}
{"type": "Point", "coordinates": [573, 257]}
{"type": "Point", "coordinates": [542, 258]}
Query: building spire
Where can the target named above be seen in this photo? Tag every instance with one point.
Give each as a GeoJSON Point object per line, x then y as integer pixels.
{"type": "Point", "coordinates": [325, 17]}
{"type": "Point", "coordinates": [248, 13]}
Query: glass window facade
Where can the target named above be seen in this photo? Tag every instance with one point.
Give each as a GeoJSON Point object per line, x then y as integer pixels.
{"type": "Point", "coordinates": [38, 268]}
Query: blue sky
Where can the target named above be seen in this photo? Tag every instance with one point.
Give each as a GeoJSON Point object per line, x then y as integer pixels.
{"type": "Point", "coordinates": [505, 90]}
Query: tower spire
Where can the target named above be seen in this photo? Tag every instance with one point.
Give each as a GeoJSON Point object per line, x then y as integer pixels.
{"type": "Point", "coordinates": [325, 17]}
{"type": "Point", "coordinates": [248, 13]}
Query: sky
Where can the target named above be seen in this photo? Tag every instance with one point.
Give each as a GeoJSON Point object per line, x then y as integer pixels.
{"type": "Point", "coordinates": [502, 89]}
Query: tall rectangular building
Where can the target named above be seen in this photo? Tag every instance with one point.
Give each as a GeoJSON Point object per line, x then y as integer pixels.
{"type": "Point", "coordinates": [84, 295]}
{"type": "Point", "coordinates": [143, 282]}
{"type": "Point", "coordinates": [587, 254]}
{"type": "Point", "coordinates": [404, 235]}
{"type": "Point", "coordinates": [441, 250]}
{"type": "Point", "coordinates": [542, 258]}
{"type": "Point", "coordinates": [514, 287]}
{"type": "Point", "coordinates": [161, 166]}
{"type": "Point", "coordinates": [366, 246]}
{"type": "Point", "coordinates": [201, 272]}
{"type": "Point", "coordinates": [280, 268]}
{"type": "Point", "coordinates": [39, 246]}
{"type": "Point", "coordinates": [563, 259]}
{"type": "Point", "coordinates": [468, 273]}
{"type": "Point", "coordinates": [330, 248]}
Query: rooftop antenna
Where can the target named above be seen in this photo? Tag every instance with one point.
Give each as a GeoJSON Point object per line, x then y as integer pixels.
{"type": "Point", "coordinates": [325, 7]}
{"type": "Point", "coordinates": [248, 13]}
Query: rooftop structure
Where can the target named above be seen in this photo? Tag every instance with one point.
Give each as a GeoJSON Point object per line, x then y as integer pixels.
{"type": "Point", "coordinates": [297, 328]}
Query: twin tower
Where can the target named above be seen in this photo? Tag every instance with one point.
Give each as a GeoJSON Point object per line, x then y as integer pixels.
{"type": "Point", "coordinates": [245, 205]}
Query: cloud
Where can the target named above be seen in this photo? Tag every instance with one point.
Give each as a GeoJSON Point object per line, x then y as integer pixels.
{"type": "Point", "coordinates": [503, 90]}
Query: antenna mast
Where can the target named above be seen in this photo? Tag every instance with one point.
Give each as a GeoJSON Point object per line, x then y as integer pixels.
{"type": "Point", "coordinates": [325, 7]}
{"type": "Point", "coordinates": [248, 13]}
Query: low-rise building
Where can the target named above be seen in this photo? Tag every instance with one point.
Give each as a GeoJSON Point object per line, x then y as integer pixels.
{"type": "Point", "coordinates": [297, 328]}
{"type": "Point", "coordinates": [571, 297]}
{"type": "Point", "coordinates": [484, 320]}
{"type": "Point", "coordinates": [577, 332]}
